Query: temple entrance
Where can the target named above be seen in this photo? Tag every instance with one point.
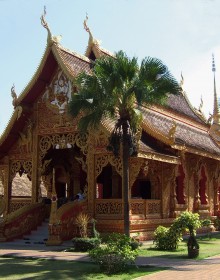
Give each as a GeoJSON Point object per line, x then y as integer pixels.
{"type": "Point", "coordinates": [70, 175]}
{"type": "Point", "coordinates": [109, 183]}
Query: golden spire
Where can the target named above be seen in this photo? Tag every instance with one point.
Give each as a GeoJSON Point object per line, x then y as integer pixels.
{"type": "Point", "coordinates": [216, 115]}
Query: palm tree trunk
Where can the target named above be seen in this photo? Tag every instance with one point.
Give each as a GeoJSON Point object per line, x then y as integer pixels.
{"type": "Point", "coordinates": [125, 182]}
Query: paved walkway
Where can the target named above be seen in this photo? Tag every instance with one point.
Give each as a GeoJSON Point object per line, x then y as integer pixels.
{"type": "Point", "coordinates": [208, 269]}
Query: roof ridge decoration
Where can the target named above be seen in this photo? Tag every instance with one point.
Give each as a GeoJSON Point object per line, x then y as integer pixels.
{"type": "Point", "coordinates": [92, 41]}
{"type": "Point", "coordinates": [197, 112]}
{"type": "Point", "coordinates": [18, 109]}
{"type": "Point", "coordinates": [172, 131]}
{"type": "Point", "coordinates": [14, 96]}
{"type": "Point", "coordinates": [50, 38]}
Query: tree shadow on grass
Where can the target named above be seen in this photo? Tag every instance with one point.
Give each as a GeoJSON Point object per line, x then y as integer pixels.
{"type": "Point", "coordinates": [39, 269]}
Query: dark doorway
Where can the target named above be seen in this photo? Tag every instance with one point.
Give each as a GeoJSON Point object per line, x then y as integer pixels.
{"type": "Point", "coordinates": [145, 189]}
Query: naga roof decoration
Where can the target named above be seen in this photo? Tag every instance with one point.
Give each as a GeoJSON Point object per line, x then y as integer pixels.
{"type": "Point", "coordinates": [177, 125]}
{"type": "Point", "coordinates": [94, 44]}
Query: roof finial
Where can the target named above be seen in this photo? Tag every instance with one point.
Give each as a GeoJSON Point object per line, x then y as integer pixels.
{"type": "Point", "coordinates": [45, 25]}
{"type": "Point", "coordinates": [14, 96]}
{"type": "Point", "coordinates": [86, 27]}
{"type": "Point", "coordinates": [201, 105]}
{"type": "Point", "coordinates": [182, 80]}
{"type": "Point", "coordinates": [50, 39]}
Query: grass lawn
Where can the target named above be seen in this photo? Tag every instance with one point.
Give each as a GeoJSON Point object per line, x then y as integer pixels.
{"type": "Point", "coordinates": [23, 268]}
{"type": "Point", "coordinates": [209, 246]}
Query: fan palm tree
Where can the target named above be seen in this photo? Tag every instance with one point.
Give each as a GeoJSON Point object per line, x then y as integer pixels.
{"type": "Point", "coordinates": [115, 89]}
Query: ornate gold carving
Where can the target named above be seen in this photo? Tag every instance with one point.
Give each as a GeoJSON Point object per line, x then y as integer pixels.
{"type": "Point", "coordinates": [169, 177]}
{"type": "Point", "coordinates": [63, 141]}
{"type": "Point", "coordinates": [137, 207]}
{"type": "Point", "coordinates": [172, 131]}
{"type": "Point", "coordinates": [107, 207]}
{"type": "Point", "coordinates": [153, 207]}
{"type": "Point", "coordinates": [134, 169]}
{"type": "Point", "coordinates": [25, 141]}
{"type": "Point", "coordinates": [98, 139]}
{"type": "Point", "coordinates": [17, 166]}
{"type": "Point", "coordinates": [16, 205]}
{"type": "Point", "coordinates": [102, 160]}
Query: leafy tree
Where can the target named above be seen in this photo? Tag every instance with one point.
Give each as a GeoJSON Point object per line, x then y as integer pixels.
{"type": "Point", "coordinates": [116, 89]}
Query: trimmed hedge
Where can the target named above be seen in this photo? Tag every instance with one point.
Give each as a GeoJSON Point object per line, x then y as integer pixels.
{"type": "Point", "coordinates": [85, 244]}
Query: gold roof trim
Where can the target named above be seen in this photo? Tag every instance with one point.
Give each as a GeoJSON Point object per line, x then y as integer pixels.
{"type": "Point", "coordinates": [181, 119]}
{"type": "Point", "coordinates": [160, 157]}
{"type": "Point", "coordinates": [198, 114]}
{"type": "Point", "coordinates": [194, 151]}
{"type": "Point", "coordinates": [8, 127]}
{"type": "Point", "coordinates": [146, 126]}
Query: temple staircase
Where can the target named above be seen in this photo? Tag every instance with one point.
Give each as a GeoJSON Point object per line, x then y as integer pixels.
{"type": "Point", "coordinates": [35, 238]}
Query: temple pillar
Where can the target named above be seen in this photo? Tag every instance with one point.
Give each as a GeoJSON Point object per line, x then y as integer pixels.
{"type": "Point", "coordinates": [35, 177]}
{"type": "Point", "coordinates": [168, 180]}
{"type": "Point", "coordinates": [7, 186]}
{"type": "Point", "coordinates": [91, 179]}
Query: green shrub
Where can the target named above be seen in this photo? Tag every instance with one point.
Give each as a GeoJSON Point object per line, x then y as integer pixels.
{"type": "Point", "coordinates": [135, 244]}
{"type": "Point", "coordinates": [217, 223]}
{"type": "Point", "coordinates": [85, 244]}
{"type": "Point", "coordinates": [115, 255]}
{"type": "Point", "coordinates": [188, 221]}
{"type": "Point", "coordinates": [167, 238]}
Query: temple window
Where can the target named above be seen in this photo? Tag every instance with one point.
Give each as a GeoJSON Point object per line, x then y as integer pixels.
{"type": "Point", "coordinates": [21, 185]}
{"type": "Point", "coordinates": [202, 186]}
{"type": "Point", "coordinates": [180, 197]}
{"type": "Point", "coordinates": [109, 183]}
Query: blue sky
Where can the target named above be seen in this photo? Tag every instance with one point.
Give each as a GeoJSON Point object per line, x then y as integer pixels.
{"type": "Point", "coordinates": [182, 33]}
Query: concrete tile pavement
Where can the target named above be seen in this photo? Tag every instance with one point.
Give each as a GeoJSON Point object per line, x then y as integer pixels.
{"type": "Point", "coordinates": [208, 269]}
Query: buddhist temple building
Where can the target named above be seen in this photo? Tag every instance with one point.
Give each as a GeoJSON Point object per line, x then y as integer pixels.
{"type": "Point", "coordinates": [177, 167]}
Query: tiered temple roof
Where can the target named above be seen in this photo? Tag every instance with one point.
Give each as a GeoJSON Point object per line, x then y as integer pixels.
{"type": "Point", "coordinates": [176, 125]}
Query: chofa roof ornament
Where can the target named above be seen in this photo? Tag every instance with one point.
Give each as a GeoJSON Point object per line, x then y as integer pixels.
{"type": "Point", "coordinates": [50, 39]}
{"type": "Point", "coordinates": [14, 96]}
{"type": "Point", "coordinates": [92, 40]}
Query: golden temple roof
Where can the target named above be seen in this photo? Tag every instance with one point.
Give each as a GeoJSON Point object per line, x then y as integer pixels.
{"type": "Point", "coordinates": [177, 124]}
